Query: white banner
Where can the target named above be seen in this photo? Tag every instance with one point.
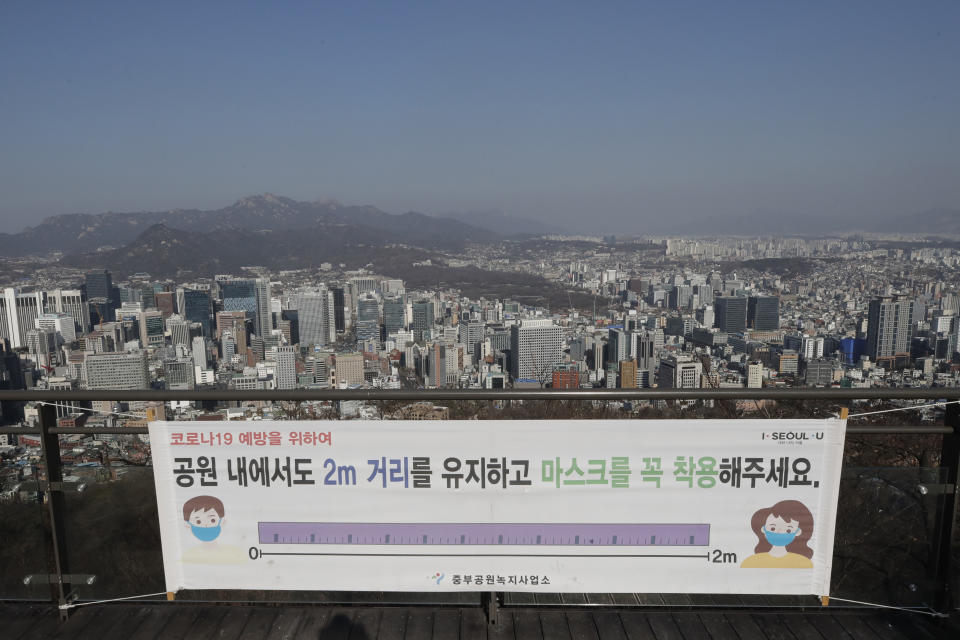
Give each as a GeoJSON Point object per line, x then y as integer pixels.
{"type": "Point", "coordinates": [668, 506]}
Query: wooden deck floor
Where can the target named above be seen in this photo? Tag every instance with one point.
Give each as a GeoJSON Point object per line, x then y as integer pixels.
{"type": "Point", "coordinates": [176, 620]}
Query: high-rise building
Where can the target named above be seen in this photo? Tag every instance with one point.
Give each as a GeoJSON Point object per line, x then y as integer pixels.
{"type": "Point", "coordinates": [72, 302]}
{"type": "Point", "coordinates": [788, 362]}
{"type": "Point", "coordinates": [263, 323]}
{"type": "Point", "coordinates": [618, 347]}
{"type": "Point", "coordinates": [368, 317]}
{"type": "Point", "coordinates": [536, 347]}
{"type": "Point", "coordinates": [763, 313]}
{"type": "Point", "coordinates": [117, 371]}
{"type": "Point", "coordinates": [236, 323]}
{"type": "Point", "coordinates": [754, 375]}
{"type": "Point", "coordinates": [339, 316]}
{"type": "Point", "coordinates": [178, 374]}
{"type": "Point", "coordinates": [422, 318]}
{"type": "Point", "coordinates": [165, 303]}
{"type": "Point", "coordinates": [349, 368]}
{"type": "Point", "coordinates": [628, 374]}
{"type": "Point", "coordinates": [315, 318]}
{"type": "Point", "coordinates": [249, 295]}
{"type": "Point", "coordinates": [199, 350]}
{"type": "Point", "coordinates": [647, 349]}
{"type": "Point", "coordinates": [889, 327]}
{"type": "Point", "coordinates": [286, 368]}
{"type": "Point", "coordinates": [59, 323]}
{"type": "Point", "coordinates": [394, 315]}
{"type": "Point", "coordinates": [730, 313]}
{"type": "Point", "coordinates": [680, 372]}
{"type": "Point", "coordinates": [99, 284]}
{"type": "Point", "coordinates": [18, 314]}
{"type": "Point", "coordinates": [195, 306]}
{"type": "Point", "coordinates": [179, 331]}
{"type": "Point", "coordinates": [151, 328]}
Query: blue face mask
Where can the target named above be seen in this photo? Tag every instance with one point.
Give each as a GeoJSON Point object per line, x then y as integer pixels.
{"type": "Point", "coordinates": [779, 539]}
{"type": "Point", "coordinates": [206, 534]}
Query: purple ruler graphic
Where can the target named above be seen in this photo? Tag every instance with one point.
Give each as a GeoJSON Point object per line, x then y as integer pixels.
{"type": "Point", "coordinates": [485, 533]}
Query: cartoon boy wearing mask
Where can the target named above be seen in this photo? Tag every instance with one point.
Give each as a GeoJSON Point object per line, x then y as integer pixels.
{"type": "Point", "coordinates": [204, 517]}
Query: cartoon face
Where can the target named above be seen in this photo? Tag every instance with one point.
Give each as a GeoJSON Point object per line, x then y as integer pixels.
{"type": "Point", "coordinates": [204, 518]}
{"type": "Point", "coordinates": [775, 524]}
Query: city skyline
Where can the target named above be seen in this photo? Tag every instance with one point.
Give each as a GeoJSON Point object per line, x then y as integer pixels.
{"type": "Point", "coordinates": [612, 118]}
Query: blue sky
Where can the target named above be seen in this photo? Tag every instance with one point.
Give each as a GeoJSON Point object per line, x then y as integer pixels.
{"type": "Point", "coordinates": [610, 117]}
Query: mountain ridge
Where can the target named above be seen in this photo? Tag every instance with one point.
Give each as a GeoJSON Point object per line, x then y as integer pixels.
{"type": "Point", "coordinates": [84, 232]}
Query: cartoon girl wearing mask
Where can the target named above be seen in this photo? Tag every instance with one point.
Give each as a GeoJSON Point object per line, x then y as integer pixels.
{"type": "Point", "coordinates": [782, 532]}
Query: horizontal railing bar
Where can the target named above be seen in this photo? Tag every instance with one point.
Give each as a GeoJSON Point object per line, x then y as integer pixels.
{"type": "Point", "coordinates": [929, 393]}
{"type": "Point", "coordinates": [851, 430]}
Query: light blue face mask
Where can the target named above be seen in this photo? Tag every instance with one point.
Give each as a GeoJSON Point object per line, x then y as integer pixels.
{"type": "Point", "coordinates": [779, 539]}
{"type": "Point", "coordinates": [206, 534]}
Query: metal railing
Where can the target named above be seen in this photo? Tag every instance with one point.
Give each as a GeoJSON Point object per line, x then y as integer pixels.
{"type": "Point", "coordinates": [62, 580]}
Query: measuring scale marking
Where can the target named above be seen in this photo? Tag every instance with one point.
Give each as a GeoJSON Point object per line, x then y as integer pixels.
{"type": "Point", "coordinates": [485, 533]}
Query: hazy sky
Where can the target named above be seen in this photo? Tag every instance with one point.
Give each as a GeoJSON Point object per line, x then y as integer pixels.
{"type": "Point", "coordinates": [606, 115]}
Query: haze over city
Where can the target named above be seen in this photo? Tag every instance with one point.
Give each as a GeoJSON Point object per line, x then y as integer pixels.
{"type": "Point", "coordinates": [628, 118]}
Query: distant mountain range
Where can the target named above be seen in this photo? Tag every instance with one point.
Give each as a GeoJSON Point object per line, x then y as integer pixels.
{"type": "Point", "coordinates": [73, 233]}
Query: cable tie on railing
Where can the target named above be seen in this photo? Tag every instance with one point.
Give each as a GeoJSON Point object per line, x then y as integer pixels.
{"type": "Point", "coordinates": [934, 614]}
{"type": "Point", "coordinates": [916, 406]}
{"type": "Point", "coordinates": [74, 605]}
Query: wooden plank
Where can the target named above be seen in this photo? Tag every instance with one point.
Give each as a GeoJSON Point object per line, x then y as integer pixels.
{"type": "Point", "coordinates": [582, 626]}
{"type": "Point", "coordinates": [625, 599]}
{"type": "Point", "coordinates": [547, 598]}
{"type": "Point", "coordinates": [690, 626]}
{"type": "Point", "coordinates": [526, 623]}
{"type": "Point", "coordinates": [554, 625]}
{"type": "Point", "coordinates": [854, 625]}
{"type": "Point", "coordinates": [339, 624]}
{"type": "Point", "coordinates": [744, 625]}
{"type": "Point", "coordinates": [909, 625]}
{"type": "Point", "coordinates": [473, 623]}
{"type": "Point", "coordinates": [259, 623]}
{"type": "Point", "coordinates": [600, 598]}
{"type": "Point", "coordinates": [519, 598]}
{"type": "Point", "coordinates": [231, 626]}
{"type": "Point", "coordinates": [44, 628]}
{"type": "Point", "coordinates": [207, 624]}
{"type": "Point", "coordinates": [314, 620]}
{"type": "Point", "coordinates": [393, 624]}
{"type": "Point", "coordinates": [366, 624]}
{"type": "Point", "coordinates": [828, 626]}
{"type": "Point", "coordinates": [101, 618]}
{"type": "Point", "coordinates": [503, 630]}
{"type": "Point", "coordinates": [419, 624]}
{"type": "Point", "coordinates": [17, 621]}
{"type": "Point", "coordinates": [799, 625]}
{"type": "Point", "coordinates": [284, 626]}
{"type": "Point", "coordinates": [636, 625]}
{"type": "Point", "coordinates": [773, 626]}
{"type": "Point", "coordinates": [663, 625]}
{"type": "Point", "coordinates": [446, 624]}
{"type": "Point", "coordinates": [177, 625]}
{"type": "Point", "coordinates": [149, 628]}
{"type": "Point", "coordinates": [718, 627]}
{"type": "Point", "coordinates": [609, 625]}
{"type": "Point", "coordinates": [79, 620]}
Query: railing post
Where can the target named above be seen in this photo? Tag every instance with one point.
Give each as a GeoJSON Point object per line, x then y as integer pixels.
{"type": "Point", "coordinates": [946, 530]}
{"type": "Point", "coordinates": [50, 444]}
{"type": "Point", "coordinates": [491, 604]}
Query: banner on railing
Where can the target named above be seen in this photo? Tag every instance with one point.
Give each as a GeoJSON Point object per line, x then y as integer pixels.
{"type": "Point", "coordinates": [670, 506]}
